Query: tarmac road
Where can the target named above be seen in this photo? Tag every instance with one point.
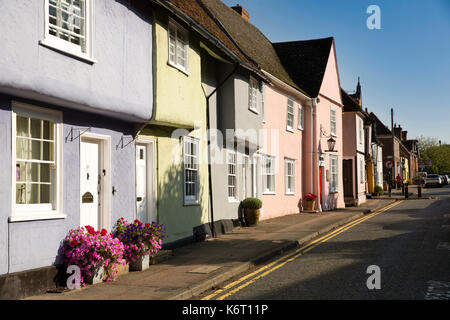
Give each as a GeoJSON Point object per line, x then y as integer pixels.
{"type": "Point", "coordinates": [410, 243]}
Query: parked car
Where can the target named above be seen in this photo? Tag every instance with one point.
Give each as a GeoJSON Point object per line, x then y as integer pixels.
{"type": "Point", "coordinates": [423, 177]}
{"type": "Point", "coordinates": [433, 180]}
{"type": "Point", "coordinates": [445, 180]}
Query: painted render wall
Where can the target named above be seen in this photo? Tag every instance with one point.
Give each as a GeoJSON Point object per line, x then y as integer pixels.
{"type": "Point", "coordinates": [287, 144]}
{"type": "Point", "coordinates": [222, 112]}
{"type": "Point", "coordinates": [118, 84]}
{"type": "Point", "coordinates": [34, 244]}
{"type": "Point", "coordinates": [330, 96]}
{"type": "Point", "coordinates": [180, 105]}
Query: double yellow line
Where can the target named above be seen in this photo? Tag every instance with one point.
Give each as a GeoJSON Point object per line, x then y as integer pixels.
{"type": "Point", "coordinates": [280, 262]}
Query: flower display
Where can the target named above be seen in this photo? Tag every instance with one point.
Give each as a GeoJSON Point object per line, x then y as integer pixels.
{"type": "Point", "coordinates": [88, 249]}
{"type": "Point", "coordinates": [310, 197]}
{"type": "Point", "coordinates": [139, 239]}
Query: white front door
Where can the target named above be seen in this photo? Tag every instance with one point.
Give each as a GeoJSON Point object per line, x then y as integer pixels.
{"type": "Point", "coordinates": [90, 183]}
{"type": "Point", "coordinates": [145, 179]}
{"type": "Point", "coordinates": [141, 183]}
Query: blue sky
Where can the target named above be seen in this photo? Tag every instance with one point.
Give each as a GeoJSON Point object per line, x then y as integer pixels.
{"type": "Point", "coordinates": [404, 65]}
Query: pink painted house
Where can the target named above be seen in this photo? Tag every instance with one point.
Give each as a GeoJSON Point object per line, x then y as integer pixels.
{"type": "Point", "coordinates": [284, 124]}
{"type": "Point", "coordinates": [312, 64]}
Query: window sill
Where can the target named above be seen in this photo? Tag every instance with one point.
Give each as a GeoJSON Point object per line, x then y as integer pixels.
{"type": "Point", "coordinates": [191, 204]}
{"type": "Point", "coordinates": [270, 193]}
{"type": "Point", "coordinates": [255, 111]}
{"type": "Point", "coordinates": [233, 200]}
{"type": "Point", "coordinates": [34, 216]}
{"type": "Point", "coordinates": [173, 65]}
{"type": "Point", "coordinates": [290, 129]}
{"type": "Point", "coordinates": [51, 45]}
{"type": "Point", "coordinates": [300, 128]}
{"type": "Point", "coordinates": [290, 193]}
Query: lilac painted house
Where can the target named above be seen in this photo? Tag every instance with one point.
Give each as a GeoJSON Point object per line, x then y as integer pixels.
{"type": "Point", "coordinates": [72, 98]}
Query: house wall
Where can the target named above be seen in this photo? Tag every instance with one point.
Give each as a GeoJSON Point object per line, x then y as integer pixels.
{"type": "Point", "coordinates": [119, 84]}
{"type": "Point", "coordinates": [285, 144]}
{"type": "Point", "coordinates": [329, 96]}
{"type": "Point", "coordinates": [349, 133]}
{"type": "Point", "coordinates": [33, 244]}
{"type": "Point", "coordinates": [180, 109]}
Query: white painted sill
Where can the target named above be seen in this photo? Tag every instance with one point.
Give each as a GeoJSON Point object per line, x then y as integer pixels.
{"type": "Point", "coordinates": [173, 65]}
{"type": "Point", "coordinates": [55, 46]}
{"type": "Point", "coordinates": [270, 193]}
{"type": "Point", "coordinates": [34, 216]}
{"type": "Point", "coordinates": [255, 111]}
{"type": "Point", "coordinates": [290, 129]}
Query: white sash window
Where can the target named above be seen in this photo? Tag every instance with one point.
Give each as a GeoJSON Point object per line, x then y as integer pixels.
{"type": "Point", "coordinates": [191, 170]}
{"type": "Point", "coordinates": [178, 47]}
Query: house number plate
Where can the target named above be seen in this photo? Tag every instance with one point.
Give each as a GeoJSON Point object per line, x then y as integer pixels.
{"type": "Point", "coordinates": [87, 198]}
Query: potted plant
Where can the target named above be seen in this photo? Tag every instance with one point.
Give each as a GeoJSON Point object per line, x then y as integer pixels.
{"type": "Point", "coordinates": [139, 241]}
{"type": "Point", "coordinates": [309, 202]}
{"type": "Point", "coordinates": [377, 191]}
{"type": "Point", "coordinates": [252, 209]}
{"type": "Point", "coordinates": [97, 253]}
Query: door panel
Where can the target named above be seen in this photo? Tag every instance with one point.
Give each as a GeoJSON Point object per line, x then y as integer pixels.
{"type": "Point", "coordinates": [348, 178]}
{"type": "Point", "coordinates": [141, 183]}
{"type": "Point", "coordinates": [89, 184]}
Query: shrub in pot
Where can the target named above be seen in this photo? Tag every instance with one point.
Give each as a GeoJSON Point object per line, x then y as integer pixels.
{"type": "Point", "coordinates": [378, 191]}
{"type": "Point", "coordinates": [252, 209]}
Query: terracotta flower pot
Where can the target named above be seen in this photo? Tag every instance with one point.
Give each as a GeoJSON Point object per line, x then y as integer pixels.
{"type": "Point", "coordinates": [251, 216]}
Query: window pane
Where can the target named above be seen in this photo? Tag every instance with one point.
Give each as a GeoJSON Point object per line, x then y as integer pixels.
{"type": "Point", "coordinates": [20, 193]}
{"type": "Point", "coordinates": [22, 126]}
{"type": "Point", "coordinates": [45, 172]}
{"type": "Point", "coordinates": [47, 154]}
{"type": "Point", "coordinates": [32, 194]}
{"type": "Point", "coordinates": [22, 148]}
{"type": "Point", "coordinates": [48, 133]}
{"type": "Point", "coordinates": [33, 173]}
{"type": "Point", "coordinates": [21, 168]}
{"type": "Point", "coordinates": [35, 126]}
{"type": "Point", "coordinates": [35, 150]}
{"type": "Point", "coordinates": [45, 196]}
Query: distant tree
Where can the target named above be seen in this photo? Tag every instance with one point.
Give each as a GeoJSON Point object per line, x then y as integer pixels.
{"type": "Point", "coordinates": [431, 149]}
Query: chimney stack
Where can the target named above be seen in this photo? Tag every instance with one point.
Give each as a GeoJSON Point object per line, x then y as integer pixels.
{"type": "Point", "coordinates": [398, 132]}
{"type": "Point", "coordinates": [242, 12]}
{"type": "Point", "coordinates": [405, 135]}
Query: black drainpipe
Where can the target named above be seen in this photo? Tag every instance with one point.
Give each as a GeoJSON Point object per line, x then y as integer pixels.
{"type": "Point", "coordinates": [208, 127]}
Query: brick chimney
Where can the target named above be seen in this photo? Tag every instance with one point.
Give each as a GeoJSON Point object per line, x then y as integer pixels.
{"type": "Point", "coordinates": [242, 12]}
{"type": "Point", "coordinates": [405, 135]}
{"type": "Point", "coordinates": [398, 132]}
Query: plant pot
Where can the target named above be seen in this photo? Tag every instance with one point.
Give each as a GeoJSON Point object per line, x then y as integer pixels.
{"type": "Point", "coordinates": [251, 217]}
{"type": "Point", "coordinates": [308, 205]}
{"type": "Point", "coordinates": [96, 277]}
{"type": "Point", "coordinates": [141, 263]}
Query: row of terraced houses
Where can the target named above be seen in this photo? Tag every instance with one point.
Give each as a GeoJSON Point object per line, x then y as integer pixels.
{"type": "Point", "coordinates": [171, 111]}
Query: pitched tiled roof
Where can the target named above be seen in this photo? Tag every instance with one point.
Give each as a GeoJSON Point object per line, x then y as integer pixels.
{"type": "Point", "coordinates": [252, 42]}
{"type": "Point", "coordinates": [306, 62]}
{"type": "Point", "coordinates": [194, 10]}
{"type": "Point", "coordinates": [380, 127]}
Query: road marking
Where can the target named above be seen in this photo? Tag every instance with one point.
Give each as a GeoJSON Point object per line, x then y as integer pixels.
{"type": "Point", "coordinates": [278, 263]}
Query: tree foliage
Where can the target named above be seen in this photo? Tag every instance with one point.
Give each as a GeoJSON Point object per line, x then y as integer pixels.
{"type": "Point", "coordinates": [431, 150]}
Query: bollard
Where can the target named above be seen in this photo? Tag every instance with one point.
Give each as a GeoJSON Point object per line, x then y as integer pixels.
{"type": "Point", "coordinates": [390, 190]}
{"type": "Point", "coordinates": [403, 188]}
{"type": "Point", "coordinates": [419, 191]}
{"type": "Point", "coordinates": [406, 192]}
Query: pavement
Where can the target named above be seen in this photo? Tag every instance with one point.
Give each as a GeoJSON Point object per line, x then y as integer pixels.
{"type": "Point", "coordinates": [195, 268]}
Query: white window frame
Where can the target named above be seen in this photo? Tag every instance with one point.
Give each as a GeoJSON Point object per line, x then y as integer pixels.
{"type": "Point", "coordinates": [83, 52]}
{"type": "Point", "coordinates": [362, 178]}
{"type": "Point", "coordinates": [233, 154]}
{"type": "Point", "coordinates": [361, 134]}
{"type": "Point", "coordinates": [270, 173]}
{"type": "Point", "coordinates": [334, 174]}
{"type": "Point", "coordinates": [189, 199]}
{"type": "Point", "coordinates": [29, 212]}
{"type": "Point", "coordinates": [178, 29]}
{"type": "Point", "coordinates": [333, 122]}
{"type": "Point", "coordinates": [289, 113]}
{"type": "Point", "coordinates": [301, 117]}
{"type": "Point", "coordinates": [263, 102]}
{"type": "Point", "coordinates": [290, 190]}
{"type": "Point", "coordinates": [253, 89]}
